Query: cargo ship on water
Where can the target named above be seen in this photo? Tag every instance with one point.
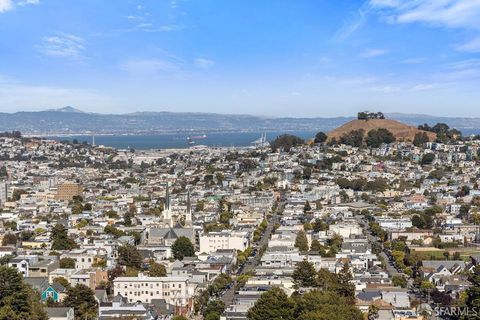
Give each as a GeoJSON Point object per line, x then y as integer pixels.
{"type": "Point", "coordinates": [192, 139]}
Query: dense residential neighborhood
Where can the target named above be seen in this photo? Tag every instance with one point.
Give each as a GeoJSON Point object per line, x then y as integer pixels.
{"type": "Point", "coordinates": [381, 229]}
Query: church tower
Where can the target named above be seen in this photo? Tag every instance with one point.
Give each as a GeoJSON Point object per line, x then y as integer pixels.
{"type": "Point", "coordinates": [188, 215]}
{"type": "Point", "coordinates": [167, 213]}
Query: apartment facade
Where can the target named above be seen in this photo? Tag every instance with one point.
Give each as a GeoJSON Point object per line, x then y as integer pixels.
{"type": "Point", "coordinates": [176, 290]}
{"type": "Point", "coordinates": [213, 241]}
{"type": "Point", "coordinates": [67, 190]}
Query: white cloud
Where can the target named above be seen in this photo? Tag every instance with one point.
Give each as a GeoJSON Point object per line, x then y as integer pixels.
{"type": "Point", "coordinates": [204, 63]}
{"type": "Point", "coordinates": [6, 5]}
{"type": "Point", "coordinates": [472, 46]}
{"type": "Point", "coordinates": [459, 71]}
{"type": "Point", "coordinates": [27, 2]}
{"type": "Point", "coordinates": [458, 14]}
{"type": "Point", "coordinates": [386, 89]}
{"type": "Point", "coordinates": [150, 27]}
{"type": "Point", "coordinates": [385, 3]}
{"type": "Point", "coordinates": [64, 45]}
{"type": "Point", "coordinates": [352, 24]}
{"type": "Point", "coordinates": [447, 13]}
{"type": "Point", "coordinates": [371, 53]}
{"type": "Point", "coordinates": [464, 64]}
{"type": "Point", "coordinates": [149, 66]}
{"type": "Point", "coordinates": [423, 87]}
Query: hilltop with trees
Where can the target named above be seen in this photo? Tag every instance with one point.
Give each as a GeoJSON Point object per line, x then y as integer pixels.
{"type": "Point", "coordinates": [371, 129]}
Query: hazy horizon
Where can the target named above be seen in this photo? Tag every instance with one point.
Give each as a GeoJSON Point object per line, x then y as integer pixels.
{"type": "Point", "coordinates": [240, 114]}
{"type": "Point", "coordinates": [273, 59]}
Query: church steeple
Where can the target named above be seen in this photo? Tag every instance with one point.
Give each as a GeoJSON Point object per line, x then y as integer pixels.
{"type": "Point", "coordinates": [188, 216]}
{"type": "Point", "coordinates": [167, 214]}
{"type": "Point", "coordinates": [167, 198]}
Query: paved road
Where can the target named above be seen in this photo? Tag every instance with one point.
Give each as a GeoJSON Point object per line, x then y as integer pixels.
{"type": "Point", "coordinates": [392, 271]}
{"type": "Point", "coordinates": [252, 262]}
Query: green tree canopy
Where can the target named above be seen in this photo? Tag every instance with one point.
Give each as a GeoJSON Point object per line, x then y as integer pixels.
{"type": "Point", "coordinates": [320, 137]}
{"type": "Point", "coordinates": [301, 241]}
{"type": "Point", "coordinates": [354, 138]}
{"type": "Point", "coordinates": [213, 310]}
{"type": "Point", "coordinates": [18, 301]}
{"type": "Point", "coordinates": [9, 239]}
{"type": "Point", "coordinates": [60, 239]}
{"type": "Point", "coordinates": [183, 247]}
{"type": "Point", "coordinates": [272, 305]}
{"type": "Point", "coordinates": [420, 139]}
{"type": "Point", "coordinates": [428, 158]}
{"type": "Point", "coordinates": [129, 256]}
{"type": "Point", "coordinates": [157, 270]}
{"type": "Point", "coordinates": [326, 305]}
{"type": "Point", "coordinates": [473, 292]}
{"type": "Point", "coordinates": [67, 263]}
{"type": "Point", "coordinates": [82, 299]}
{"type": "Point", "coordinates": [286, 142]}
{"type": "Point", "coordinates": [376, 137]}
{"type": "Point", "coordinates": [304, 274]}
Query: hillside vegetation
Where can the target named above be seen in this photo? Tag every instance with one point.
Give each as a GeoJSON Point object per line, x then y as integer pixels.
{"type": "Point", "coordinates": [400, 131]}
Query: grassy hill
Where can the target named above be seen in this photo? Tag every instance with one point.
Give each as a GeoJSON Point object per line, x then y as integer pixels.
{"type": "Point", "coordinates": [401, 131]}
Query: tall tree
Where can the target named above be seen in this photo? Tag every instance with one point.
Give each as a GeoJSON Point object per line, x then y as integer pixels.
{"type": "Point", "coordinates": [18, 301]}
{"type": "Point", "coordinates": [60, 239]}
{"type": "Point", "coordinates": [129, 256]}
{"type": "Point", "coordinates": [473, 292]}
{"type": "Point", "coordinates": [286, 142]}
{"type": "Point", "coordinates": [272, 305]}
{"type": "Point", "coordinates": [315, 246]}
{"type": "Point", "coordinates": [82, 299]}
{"type": "Point", "coordinates": [67, 263]}
{"type": "Point", "coordinates": [183, 247]}
{"type": "Point", "coordinates": [9, 239]}
{"type": "Point", "coordinates": [156, 269]}
{"type": "Point", "coordinates": [213, 310]}
{"type": "Point", "coordinates": [301, 241]}
{"type": "Point", "coordinates": [326, 305]}
{"type": "Point", "coordinates": [320, 137]}
{"type": "Point", "coordinates": [304, 274]}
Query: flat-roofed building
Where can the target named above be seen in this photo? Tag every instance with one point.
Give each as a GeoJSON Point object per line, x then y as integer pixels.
{"type": "Point", "coordinates": [67, 190]}
{"type": "Point", "coordinates": [175, 290]}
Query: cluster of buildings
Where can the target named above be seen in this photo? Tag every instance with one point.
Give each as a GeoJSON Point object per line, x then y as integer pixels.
{"type": "Point", "coordinates": [242, 210]}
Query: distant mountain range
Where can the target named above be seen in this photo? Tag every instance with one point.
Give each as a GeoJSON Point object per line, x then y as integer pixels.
{"type": "Point", "coordinates": [69, 121]}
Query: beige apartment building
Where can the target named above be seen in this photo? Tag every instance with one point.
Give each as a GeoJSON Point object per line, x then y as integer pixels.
{"type": "Point", "coordinates": [176, 290]}
{"type": "Point", "coordinates": [67, 190]}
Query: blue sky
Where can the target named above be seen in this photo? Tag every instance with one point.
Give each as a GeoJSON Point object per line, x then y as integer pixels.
{"type": "Point", "coordinates": [272, 57]}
